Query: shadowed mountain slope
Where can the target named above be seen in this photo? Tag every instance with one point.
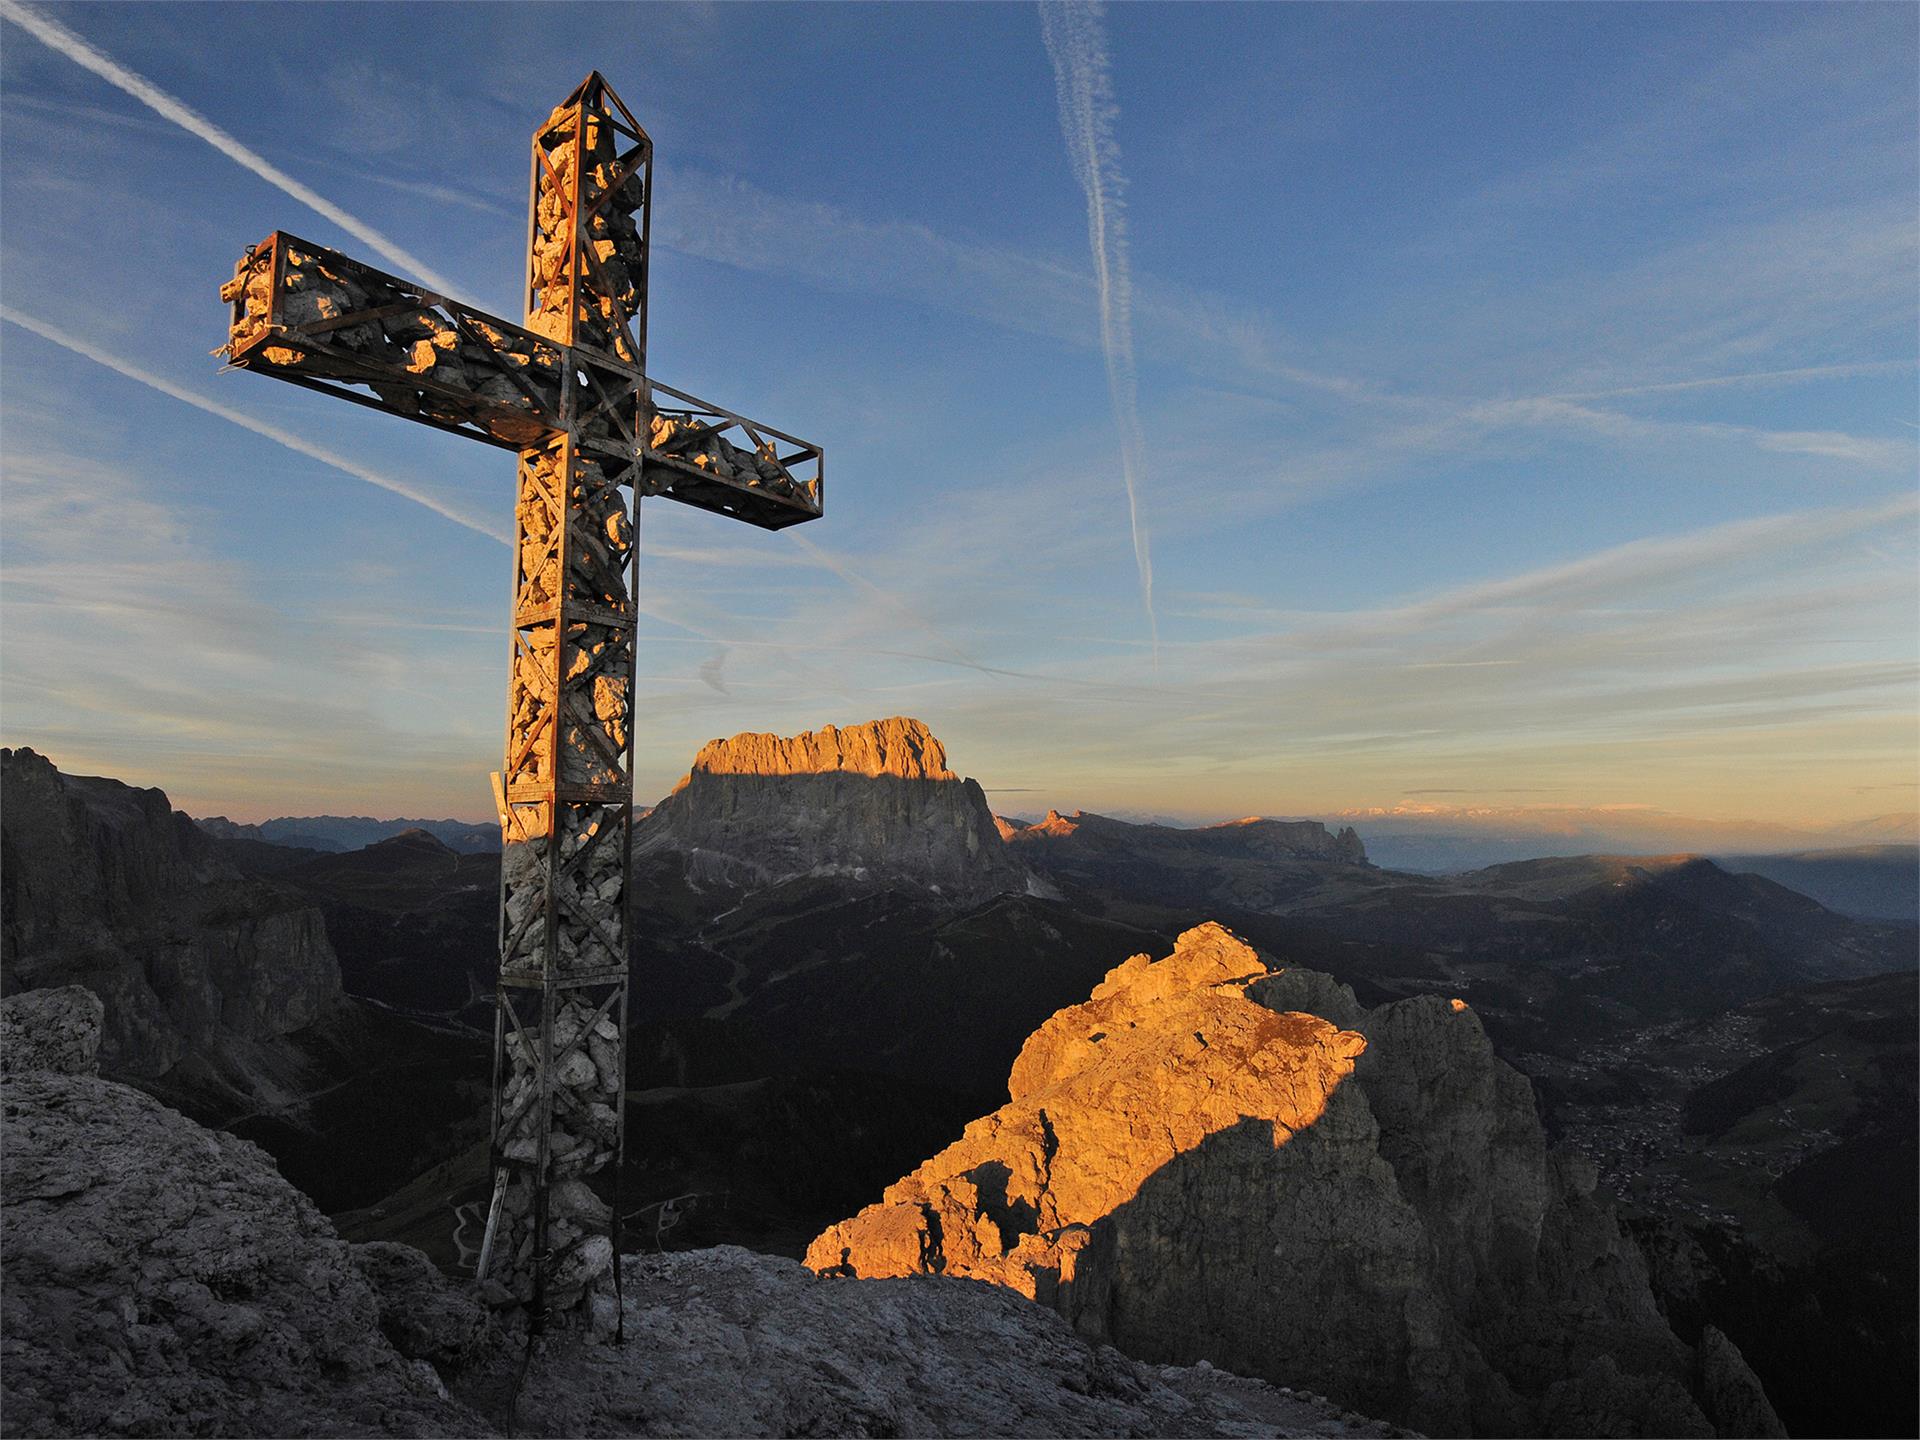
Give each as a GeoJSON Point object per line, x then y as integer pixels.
{"type": "Point", "coordinates": [1255, 863]}
{"type": "Point", "coordinates": [222, 993]}
{"type": "Point", "coordinates": [337, 833]}
{"type": "Point", "coordinates": [108, 886]}
{"type": "Point", "coordinates": [1872, 882]}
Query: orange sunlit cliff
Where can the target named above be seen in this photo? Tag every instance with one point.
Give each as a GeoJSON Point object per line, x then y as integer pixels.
{"type": "Point", "coordinates": [899, 746]}
{"type": "Point", "coordinates": [1212, 1159]}
{"type": "Point", "coordinates": [1105, 1095]}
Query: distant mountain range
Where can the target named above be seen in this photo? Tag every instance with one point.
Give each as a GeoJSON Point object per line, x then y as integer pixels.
{"type": "Point", "coordinates": [1438, 839]}
{"type": "Point", "coordinates": [1869, 868]}
{"type": "Point", "coordinates": [1442, 839]}
{"type": "Point", "coordinates": [1873, 882]}
{"type": "Point", "coordinates": [334, 834]}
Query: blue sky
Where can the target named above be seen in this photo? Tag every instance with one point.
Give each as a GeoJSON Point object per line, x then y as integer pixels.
{"type": "Point", "coordinates": [1523, 397]}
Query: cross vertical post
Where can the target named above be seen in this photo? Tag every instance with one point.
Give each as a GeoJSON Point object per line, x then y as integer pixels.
{"type": "Point", "coordinates": [568, 391]}
{"type": "Point", "coordinates": [559, 1110]}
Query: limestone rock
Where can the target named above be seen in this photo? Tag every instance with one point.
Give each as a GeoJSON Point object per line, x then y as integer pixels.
{"type": "Point", "coordinates": [727, 1342]}
{"type": "Point", "coordinates": [85, 854]}
{"type": "Point", "coordinates": [1730, 1393]}
{"type": "Point", "coordinates": [56, 1029]}
{"type": "Point", "coordinates": [871, 801]}
{"type": "Point", "coordinates": [1314, 991]}
{"type": "Point", "coordinates": [1595, 1400]}
{"type": "Point", "coordinates": [899, 747]}
{"type": "Point", "coordinates": [162, 1279]}
{"type": "Point", "coordinates": [1193, 1165]}
{"type": "Point", "coordinates": [425, 1316]}
{"type": "Point", "coordinates": [106, 886]}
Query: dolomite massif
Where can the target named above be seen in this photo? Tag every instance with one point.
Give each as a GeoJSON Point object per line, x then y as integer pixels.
{"type": "Point", "coordinates": [1213, 1159]}
{"type": "Point", "coordinates": [218, 992]}
{"type": "Point", "coordinates": [105, 885]}
{"type": "Point", "coordinates": [869, 801]}
{"type": "Point", "coordinates": [163, 1279]}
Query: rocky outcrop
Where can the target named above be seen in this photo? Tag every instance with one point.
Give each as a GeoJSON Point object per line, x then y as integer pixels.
{"type": "Point", "coordinates": [57, 1030]}
{"type": "Point", "coordinates": [425, 1316]}
{"type": "Point", "coordinates": [728, 1342]}
{"type": "Point", "coordinates": [106, 886]}
{"type": "Point", "coordinates": [873, 801]}
{"type": "Point", "coordinates": [162, 1279]}
{"type": "Point", "coordinates": [1211, 1159]}
{"type": "Point", "coordinates": [1730, 1391]}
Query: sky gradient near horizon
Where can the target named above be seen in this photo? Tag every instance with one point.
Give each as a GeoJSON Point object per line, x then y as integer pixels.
{"type": "Point", "coordinates": [1512, 405]}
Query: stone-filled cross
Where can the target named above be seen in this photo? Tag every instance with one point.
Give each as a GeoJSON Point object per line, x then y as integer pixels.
{"type": "Point", "coordinates": [569, 391]}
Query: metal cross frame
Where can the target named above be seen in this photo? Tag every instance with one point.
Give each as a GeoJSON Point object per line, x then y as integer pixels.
{"type": "Point", "coordinates": [568, 390]}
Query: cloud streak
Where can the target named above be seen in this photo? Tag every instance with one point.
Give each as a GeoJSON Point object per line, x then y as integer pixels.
{"type": "Point", "coordinates": [90, 57]}
{"type": "Point", "coordinates": [247, 422]}
{"type": "Point", "coordinates": [1748, 378]}
{"type": "Point", "coordinates": [1083, 83]}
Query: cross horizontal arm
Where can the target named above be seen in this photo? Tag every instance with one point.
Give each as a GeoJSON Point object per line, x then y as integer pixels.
{"type": "Point", "coordinates": [317, 318]}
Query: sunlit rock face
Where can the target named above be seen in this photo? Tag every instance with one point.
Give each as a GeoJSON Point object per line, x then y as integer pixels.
{"type": "Point", "coordinates": [1195, 1165]}
{"type": "Point", "coordinates": [872, 801]}
{"type": "Point", "coordinates": [106, 885]}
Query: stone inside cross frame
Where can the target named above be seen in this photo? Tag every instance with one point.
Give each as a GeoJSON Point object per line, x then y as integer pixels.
{"type": "Point", "coordinates": [568, 390]}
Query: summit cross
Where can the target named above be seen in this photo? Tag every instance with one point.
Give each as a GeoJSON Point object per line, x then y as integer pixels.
{"type": "Point", "coordinates": [568, 390]}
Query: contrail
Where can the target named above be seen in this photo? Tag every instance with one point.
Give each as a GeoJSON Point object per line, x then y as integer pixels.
{"type": "Point", "coordinates": [247, 422]}
{"type": "Point", "coordinates": [1083, 82]}
{"type": "Point", "coordinates": [90, 57]}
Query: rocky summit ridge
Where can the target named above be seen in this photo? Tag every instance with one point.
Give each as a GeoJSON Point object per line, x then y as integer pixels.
{"type": "Point", "coordinates": [162, 1279]}
{"type": "Point", "coordinates": [1214, 1159]}
{"type": "Point", "coordinates": [873, 801]}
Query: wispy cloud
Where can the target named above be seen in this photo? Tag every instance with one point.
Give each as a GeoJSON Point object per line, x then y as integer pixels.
{"type": "Point", "coordinates": [135, 647]}
{"type": "Point", "coordinates": [827, 560]}
{"type": "Point", "coordinates": [299, 444]}
{"type": "Point", "coordinates": [1753, 378]}
{"type": "Point", "coordinates": [1615, 574]}
{"type": "Point", "coordinates": [1546, 412]}
{"type": "Point", "coordinates": [89, 56]}
{"type": "Point", "coordinates": [1083, 83]}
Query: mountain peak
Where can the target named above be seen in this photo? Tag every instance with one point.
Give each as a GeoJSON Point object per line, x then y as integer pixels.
{"type": "Point", "coordinates": [414, 839]}
{"type": "Point", "coordinates": [873, 801]}
{"type": "Point", "coordinates": [899, 746]}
